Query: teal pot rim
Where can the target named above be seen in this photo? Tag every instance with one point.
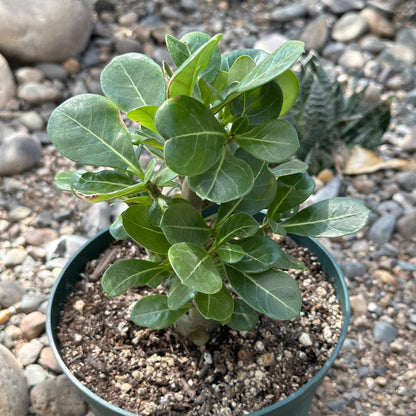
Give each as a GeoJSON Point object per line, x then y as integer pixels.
{"type": "Point", "coordinates": [102, 240]}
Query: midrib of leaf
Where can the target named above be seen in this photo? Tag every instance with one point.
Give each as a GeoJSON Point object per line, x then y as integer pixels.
{"type": "Point", "coordinates": [138, 275]}
{"type": "Point", "coordinates": [153, 230]}
{"type": "Point", "coordinates": [132, 83]}
{"type": "Point", "coordinates": [269, 293]}
{"type": "Point", "coordinates": [319, 221]}
{"type": "Point", "coordinates": [133, 167]}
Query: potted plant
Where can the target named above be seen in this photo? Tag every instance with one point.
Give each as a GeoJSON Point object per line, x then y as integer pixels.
{"type": "Point", "coordinates": [221, 183]}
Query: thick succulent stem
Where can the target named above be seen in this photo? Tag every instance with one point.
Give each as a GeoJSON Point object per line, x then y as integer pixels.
{"type": "Point", "coordinates": [191, 196]}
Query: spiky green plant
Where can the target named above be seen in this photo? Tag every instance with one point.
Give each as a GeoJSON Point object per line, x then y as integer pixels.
{"type": "Point", "coordinates": [325, 118]}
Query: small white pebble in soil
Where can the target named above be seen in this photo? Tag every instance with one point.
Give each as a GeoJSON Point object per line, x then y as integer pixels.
{"type": "Point", "coordinates": [327, 333]}
{"type": "Point", "coordinates": [266, 359]}
{"type": "Point", "coordinates": [126, 387]}
{"type": "Point", "coordinates": [79, 305]}
{"type": "Point", "coordinates": [302, 355]}
{"type": "Point", "coordinates": [77, 338]}
{"type": "Point", "coordinates": [305, 339]}
{"type": "Point", "coordinates": [259, 346]}
{"type": "Point", "coordinates": [208, 357]}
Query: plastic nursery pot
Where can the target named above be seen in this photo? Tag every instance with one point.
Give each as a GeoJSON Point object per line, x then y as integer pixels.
{"type": "Point", "coordinates": [297, 404]}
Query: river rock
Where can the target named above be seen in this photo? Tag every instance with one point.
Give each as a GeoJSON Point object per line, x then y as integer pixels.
{"type": "Point", "coordinates": [315, 34]}
{"type": "Point", "coordinates": [378, 24]}
{"type": "Point", "coordinates": [343, 6]}
{"type": "Point", "coordinates": [19, 152]}
{"type": "Point", "coordinates": [406, 225]}
{"type": "Point", "coordinates": [14, 395]}
{"type": "Point", "coordinates": [37, 93]}
{"type": "Point", "coordinates": [44, 30]}
{"type": "Point", "coordinates": [57, 396]}
{"type": "Point", "coordinates": [350, 27]}
{"type": "Point", "coordinates": [7, 84]}
{"type": "Point", "coordinates": [382, 229]}
{"type": "Point", "coordinates": [10, 293]}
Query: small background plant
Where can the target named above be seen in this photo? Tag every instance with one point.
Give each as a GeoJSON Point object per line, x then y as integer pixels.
{"type": "Point", "coordinates": [325, 118]}
{"type": "Point", "coordinates": [213, 127]}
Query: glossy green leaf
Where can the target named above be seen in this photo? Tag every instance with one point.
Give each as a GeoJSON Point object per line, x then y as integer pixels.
{"type": "Point", "coordinates": [144, 115]}
{"type": "Point", "coordinates": [256, 55]}
{"type": "Point", "coordinates": [195, 137]}
{"type": "Point", "coordinates": [182, 222]}
{"type": "Point", "coordinates": [287, 261]}
{"type": "Point", "coordinates": [289, 84]}
{"type": "Point", "coordinates": [117, 230]}
{"type": "Point", "coordinates": [87, 129]}
{"type": "Point", "coordinates": [179, 294]}
{"type": "Point", "coordinates": [178, 50]}
{"type": "Point", "coordinates": [244, 317]}
{"type": "Point", "coordinates": [138, 226]}
{"type": "Point", "coordinates": [133, 80]}
{"type": "Point", "coordinates": [273, 141]}
{"type": "Point", "coordinates": [290, 168]}
{"type": "Point", "coordinates": [239, 225]}
{"type": "Point", "coordinates": [153, 312]}
{"type": "Point", "coordinates": [194, 41]}
{"type": "Point", "coordinates": [228, 180]}
{"type": "Point", "coordinates": [260, 253]}
{"type": "Point", "coordinates": [218, 306]}
{"type": "Point", "coordinates": [273, 65]}
{"type": "Point", "coordinates": [333, 217]}
{"type": "Point", "coordinates": [230, 253]}
{"type": "Point", "coordinates": [272, 292]}
{"type": "Point", "coordinates": [241, 67]}
{"type": "Point", "coordinates": [259, 105]}
{"type": "Point", "coordinates": [133, 272]}
{"type": "Point", "coordinates": [185, 77]}
{"type": "Point", "coordinates": [104, 185]}
{"type": "Point", "coordinates": [195, 267]}
{"type": "Point", "coordinates": [258, 198]}
{"type": "Point", "coordinates": [63, 180]}
{"type": "Point", "coordinates": [292, 190]}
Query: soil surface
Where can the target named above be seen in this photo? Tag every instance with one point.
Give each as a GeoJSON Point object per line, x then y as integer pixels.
{"type": "Point", "coordinates": [234, 373]}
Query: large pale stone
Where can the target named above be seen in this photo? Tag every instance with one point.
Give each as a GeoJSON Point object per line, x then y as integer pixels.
{"type": "Point", "coordinates": [7, 84]}
{"type": "Point", "coordinates": [14, 393]}
{"type": "Point", "coordinates": [44, 30]}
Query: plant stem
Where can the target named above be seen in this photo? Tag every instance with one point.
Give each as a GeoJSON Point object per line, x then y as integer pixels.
{"type": "Point", "coordinates": [191, 196]}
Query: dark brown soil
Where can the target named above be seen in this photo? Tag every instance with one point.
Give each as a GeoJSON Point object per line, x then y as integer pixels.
{"type": "Point", "coordinates": [159, 373]}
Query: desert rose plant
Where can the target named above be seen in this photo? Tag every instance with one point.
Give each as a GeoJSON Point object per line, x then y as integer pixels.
{"type": "Point", "coordinates": [213, 130]}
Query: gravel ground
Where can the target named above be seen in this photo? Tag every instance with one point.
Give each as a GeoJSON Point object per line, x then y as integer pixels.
{"type": "Point", "coordinates": [376, 372]}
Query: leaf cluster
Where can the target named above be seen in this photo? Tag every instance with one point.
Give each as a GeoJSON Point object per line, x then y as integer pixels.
{"type": "Point", "coordinates": [325, 118]}
{"type": "Point", "coordinates": [213, 127]}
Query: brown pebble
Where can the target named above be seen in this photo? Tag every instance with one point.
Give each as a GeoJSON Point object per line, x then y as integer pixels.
{"type": "Point", "coordinates": [33, 324]}
{"type": "Point", "coordinates": [48, 360]}
{"type": "Point", "coordinates": [245, 355]}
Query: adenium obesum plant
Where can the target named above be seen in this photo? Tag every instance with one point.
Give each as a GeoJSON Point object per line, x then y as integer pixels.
{"type": "Point", "coordinates": [212, 127]}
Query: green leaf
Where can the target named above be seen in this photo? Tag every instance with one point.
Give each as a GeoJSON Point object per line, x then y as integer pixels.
{"type": "Point", "coordinates": [272, 66]}
{"type": "Point", "coordinates": [333, 217]}
{"type": "Point", "coordinates": [244, 317]}
{"type": "Point", "coordinates": [126, 273]}
{"type": "Point", "coordinates": [228, 180]}
{"type": "Point", "coordinates": [286, 262]}
{"type": "Point", "coordinates": [87, 129]}
{"type": "Point", "coordinates": [133, 80]}
{"type": "Point", "coordinates": [178, 50]}
{"type": "Point", "coordinates": [240, 225]}
{"type": "Point", "coordinates": [230, 253]}
{"type": "Point", "coordinates": [260, 104]}
{"type": "Point", "coordinates": [196, 40]}
{"type": "Point", "coordinates": [256, 55]}
{"type": "Point", "coordinates": [218, 306]}
{"type": "Point", "coordinates": [117, 230]}
{"type": "Point", "coordinates": [195, 136]}
{"type": "Point", "coordinates": [138, 226]}
{"type": "Point", "coordinates": [289, 84]}
{"type": "Point", "coordinates": [182, 222]}
{"type": "Point", "coordinates": [63, 180]}
{"type": "Point", "coordinates": [144, 115]}
{"type": "Point", "coordinates": [273, 141]}
{"type": "Point", "coordinates": [241, 67]}
{"type": "Point", "coordinates": [179, 294]}
{"type": "Point", "coordinates": [195, 267]}
{"type": "Point", "coordinates": [292, 190]}
{"type": "Point", "coordinates": [260, 253]}
{"type": "Point", "coordinates": [185, 77]}
{"type": "Point", "coordinates": [259, 197]}
{"type": "Point", "coordinates": [272, 292]}
{"type": "Point", "coordinates": [104, 185]}
{"type": "Point", "coordinates": [153, 312]}
{"type": "Point", "coordinates": [289, 168]}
